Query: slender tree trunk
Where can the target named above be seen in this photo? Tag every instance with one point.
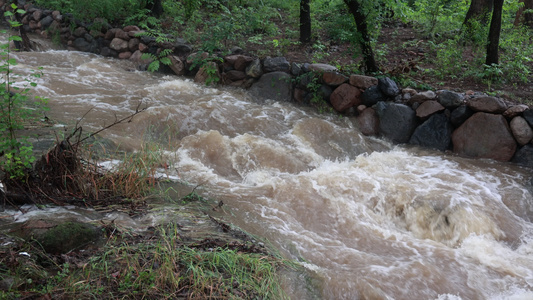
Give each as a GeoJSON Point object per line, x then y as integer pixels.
{"type": "Point", "coordinates": [479, 10]}
{"type": "Point", "coordinates": [494, 33]}
{"type": "Point", "coordinates": [305, 22]}
{"type": "Point", "coordinates": [360, 21]}
{"type": "Point", "coordinates": [157, 8]}
{"type": "Point", "coordinates": [525, 18]}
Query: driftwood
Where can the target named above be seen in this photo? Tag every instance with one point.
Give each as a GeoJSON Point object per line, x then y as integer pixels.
{"type": "Point", "coordinates": [60, 176]}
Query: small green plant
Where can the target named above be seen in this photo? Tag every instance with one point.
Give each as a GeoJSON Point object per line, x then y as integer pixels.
{"type": "Point", "coordinates": [16, 108]}
{"type": "Point", "coordinates": [491, 74]}
{"type": "Point", "coordinates": [161, 57]}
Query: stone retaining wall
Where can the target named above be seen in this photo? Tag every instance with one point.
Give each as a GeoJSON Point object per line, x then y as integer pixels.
{"type": "Point", "coordinates": [470, 124]}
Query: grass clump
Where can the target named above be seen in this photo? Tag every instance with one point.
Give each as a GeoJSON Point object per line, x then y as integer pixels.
{"type": "Point", "coordinates": [158, 266]}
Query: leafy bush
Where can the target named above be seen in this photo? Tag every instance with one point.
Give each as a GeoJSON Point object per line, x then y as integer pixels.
{"type": "Point", "coordinates": [111, 10]}
{"type": "Point", "coordinates": [16, 108]}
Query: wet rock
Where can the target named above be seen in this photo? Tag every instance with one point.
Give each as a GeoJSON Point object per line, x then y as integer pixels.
{"type": "Point", "coordinates": [388, 87]}
{"type": "Point", "coordinates": [450, 99]}
{"type": "Point", "coordinates": [363, 82]}
{"type": "Point", "coordinates": [118, 45]}
{"type": "Point", "coordinates": [276, 64]}
{"type": "Point", "coordinates": [368, 122]}
{"type": "Point", "coordinates": [143, 48]}
{"type": "Point", "coordinates": [428, 108]}
{"type": "Point", "coordinates": [487, 104]}
{"type": "Point", "coordinates": [485, 135]}
{"type": "Point", "coordinates": [460, 114]}
{"type": "Point", "coordinates": [205, 76]}
{"type": "Point", "coordinates": [57, 15]}
{"type": "Point", "coordinates": [422, 97]}
{"type": "Point", "coordinates": [344, 97]}
{"type": "Point", "coordinates": [176, 65]}
{"type": "Point", "coordinates": [46, 22]}
{"type": "Point", "coordinates": [79, 32]}
{"type": "Point", "coordinates": [524, 156]}
{"type": "Point", "coordinates": [275, 86]}
{"type": "Point", "coordinates": [296, 69]}
{"type": "Point", "coordinates": [137, 57]}
{"type": "Point", "coordinates": [110, 34]}
{"type": "Point", "coordinates": [435, 133]}
{"type": "Point", "coordinates": [242, 62]}
{"type": "Point", "coordinates": [396, 121]}
{"type": "Point", "coordinates": [319, 68]}
{"type": "Point", "coordinates": [235, 75]}
{"type": "Point", "coordinates": [82, 45]}
{"type": "Point", "coordinates": [334, 78]}
{"type": "Point", "coordinates": [515, 110]}
{"type": "Point", "coordinates": [124, 55]}
{"type": "Point", "coordinates": [254, 69]}
{"type": "Point", "coordinates": [325, 92]}
{"type": "Point", "coordinates": [133, 44]}
{"type": "Point", "coordinates": [372, 95]}
{"type": "Point", "coordinates": [236, 50]}
{"type": "Point", "coordinates": [299, 95]}
{"type": "Point", "coordinates": [521, 130]}
{"type": "Point", "coordinates": [131, 28]}
{"type": "Point", "coordinates": [121, 34]}
{"type": "Point", "coordinates": [528, 115]}
{"type": "Point", "coordinates": [107, 52]}
{"type": "Point", "coordinates": [37, 15]}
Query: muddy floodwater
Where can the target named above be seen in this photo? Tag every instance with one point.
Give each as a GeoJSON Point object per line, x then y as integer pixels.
{"type": "Point", "coordinates": [367, 219]}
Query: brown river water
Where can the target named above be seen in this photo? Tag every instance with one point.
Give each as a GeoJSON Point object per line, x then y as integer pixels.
{"type": "Point", "coordinates": [367, 219]}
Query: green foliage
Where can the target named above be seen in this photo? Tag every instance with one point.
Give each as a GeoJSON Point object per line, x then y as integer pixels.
{"type": "Point", "coordinates": [111, 10]}
{"type": "Point", "coordinates": [16, 108]}
{"type": "Point", "coordinates": [143, 19]}
{"type": "Point", "coordinates": [161, 57]}
{"type": "Point", "coordinates": [209, 64]}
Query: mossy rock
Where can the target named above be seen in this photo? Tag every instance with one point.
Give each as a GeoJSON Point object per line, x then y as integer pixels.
{"type": "Point", "coordinates": [68, 236]}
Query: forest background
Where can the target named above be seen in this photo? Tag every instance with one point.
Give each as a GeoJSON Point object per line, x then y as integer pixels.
{"type": "Point", "coordinates": [481, 45]}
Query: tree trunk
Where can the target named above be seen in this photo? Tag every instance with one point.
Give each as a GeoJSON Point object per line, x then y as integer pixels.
{"type": "Point", "coordinates": [479, 10]}
{"type": "Point", "coordinates": [305, 22]}
{"type": "Point", "coordinates": [157, 8]}
{"type": "Point", "coordinates": [494, 33]}
{"type": "Point", "coordinates": [525, 18]}
{"type": "Point", "coordinates": [360, 21]}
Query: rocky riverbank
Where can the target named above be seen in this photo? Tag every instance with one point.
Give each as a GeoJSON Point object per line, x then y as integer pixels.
{"type": "Point", "coordinates": [471, 124]}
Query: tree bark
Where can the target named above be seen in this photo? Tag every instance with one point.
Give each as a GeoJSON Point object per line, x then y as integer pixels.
{"type": "Point", "coordinates": [479, 10]}
{"type": "Point", "coordinates": [494, 33]}
{"type": "Point", "coordinates": [305, 22]}
{"type": "Point", "coordinates": [354, 7]}
{"type": "Point", "coordinates": [527, 17]}
{"type": "Point", "coordinates": [157, 8]}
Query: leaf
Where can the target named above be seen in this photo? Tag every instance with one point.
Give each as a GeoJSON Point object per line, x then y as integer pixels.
{"type": "Point", "coordinates": [166, 61]}
{"type": "Point", "coordinates": [153, 66]}
{"type": "Point", "coordinates": [15, 38]}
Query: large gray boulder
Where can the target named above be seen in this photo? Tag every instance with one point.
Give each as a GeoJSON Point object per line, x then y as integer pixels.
{"type": "Point", "coordinates": [521, 130]}
{"type": "Point", "coordinates": [276, 64]}
{"type": "Point", "coordinates": [524, 156]}
{"type": "Point", "coordinates": [435, 133]}
{"type": "Point", "coordinates": [388, 87]}
{"type": "Point", "coordinates": [450, 99]}
{"type": "Point", "coordinates": [368, 122]}
{"type": "Point", "coordinates": [372, 95]}
{"type": "Point", "coordinates": [396, 121]}
{"type": "Point", "coordinates": [274, 86]}
{"type": "Point", "coordinates": [487, 104]}
{"type": "Point", "coordinates": [484, 135]}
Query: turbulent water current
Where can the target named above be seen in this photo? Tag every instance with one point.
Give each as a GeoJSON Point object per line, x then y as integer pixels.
{"type": "Point", "coordinates": [367, 219]}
